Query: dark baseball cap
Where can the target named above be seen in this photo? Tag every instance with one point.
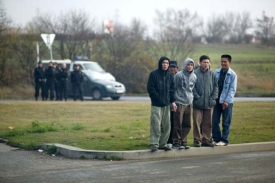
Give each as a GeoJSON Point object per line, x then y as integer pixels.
{"type": "Point", "coordinates": [173, 63]}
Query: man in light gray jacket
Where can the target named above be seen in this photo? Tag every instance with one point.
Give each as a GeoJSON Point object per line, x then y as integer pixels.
{"type": "Point", "coordinates": [184, 83]}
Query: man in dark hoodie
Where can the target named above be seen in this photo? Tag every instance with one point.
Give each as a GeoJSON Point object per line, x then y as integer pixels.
{"type": "Point", "coordinates": [160, 87]}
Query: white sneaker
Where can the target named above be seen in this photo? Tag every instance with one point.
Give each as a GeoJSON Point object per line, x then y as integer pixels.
{"type": "Point", "coordinates": [220, 143]}
{"type": "Point", "coordinates": [169, 145]}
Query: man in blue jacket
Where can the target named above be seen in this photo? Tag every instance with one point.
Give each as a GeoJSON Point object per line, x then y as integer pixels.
{"type": "Point", "coordinates": [160, 87]}
{"type": "Point", "coordinates": [227, 82]}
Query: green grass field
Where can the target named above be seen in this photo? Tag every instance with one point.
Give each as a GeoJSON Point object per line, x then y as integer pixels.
{"type": "Point", "coordinates": [112, 125]}
{"type": "Point", "coordinates": [254, 65]}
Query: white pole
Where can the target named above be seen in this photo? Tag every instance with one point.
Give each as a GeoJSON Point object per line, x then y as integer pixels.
{"type": "Point", "coordinates": [37, 53]}
{"type": "Point", "coordinates": [51, 53]}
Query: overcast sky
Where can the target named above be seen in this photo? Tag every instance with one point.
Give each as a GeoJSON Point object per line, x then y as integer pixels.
{"type": "Point", "coordinates": [22, 11]}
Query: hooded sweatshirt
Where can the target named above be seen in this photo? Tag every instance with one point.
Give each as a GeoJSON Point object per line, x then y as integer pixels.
{"type": "Point", "coordinates": [160, 86]}
{"type": "Point", "coordinates": [184, 84]}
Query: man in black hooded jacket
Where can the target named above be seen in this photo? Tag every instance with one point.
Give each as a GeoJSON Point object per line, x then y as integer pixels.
{"type": "Point", "coordinates": [161, 90]}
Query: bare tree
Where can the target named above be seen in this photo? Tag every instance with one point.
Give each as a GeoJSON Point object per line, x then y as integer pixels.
{"type": "Point", "coordinates": [173, 34]}
{"type": "Point", "coordinates": [265, 28]}
{"type": "Point", "coordinates": [236, 24]}
{"type": "Point", "coordinates": [73, 31]}
{"type": "Point", "coordinates": [215, 29]}
{"type": "Point", "coordinates": [6, 39]}
{"type": "Point", "coordinates": [24, 50]}
{"type": "Point", "coordinates": [121, 43]}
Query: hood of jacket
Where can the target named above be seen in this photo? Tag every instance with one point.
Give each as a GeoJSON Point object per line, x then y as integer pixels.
{"type": "Point", "coordinates": [161, 60]}
{"type": "Point", "coordinates": [186, 62]}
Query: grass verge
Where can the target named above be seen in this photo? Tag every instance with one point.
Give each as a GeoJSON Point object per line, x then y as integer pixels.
{"type": "Point", "coordinates": [109, 125]}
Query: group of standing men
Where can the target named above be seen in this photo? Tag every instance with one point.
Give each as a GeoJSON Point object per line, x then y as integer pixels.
{"type": "Point", "coordinates": [173, 94]}
{"type": "Point", "coordinates": [53, 81]}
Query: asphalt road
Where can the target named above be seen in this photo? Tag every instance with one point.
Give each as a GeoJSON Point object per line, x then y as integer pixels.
{"type": "Point", "coordinates": [31, 166]}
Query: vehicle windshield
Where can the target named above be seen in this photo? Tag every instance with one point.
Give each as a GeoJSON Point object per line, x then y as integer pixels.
{"type": "Point", "coordinates": [93, 66]}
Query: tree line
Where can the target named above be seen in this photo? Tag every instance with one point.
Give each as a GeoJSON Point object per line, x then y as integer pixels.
{"type": "Point", "coordinates": [129, 52]}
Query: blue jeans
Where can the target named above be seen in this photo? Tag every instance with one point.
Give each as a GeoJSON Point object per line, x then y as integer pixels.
{"type": "Point", "coordinates": [226, 122]}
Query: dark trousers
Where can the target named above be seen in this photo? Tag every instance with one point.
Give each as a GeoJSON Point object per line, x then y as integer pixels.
{"type": "Point", "coordinates": [182, 124]}
{"type": "Point", "coordinates": [226, 122]}
{"type": "Point", "coordinates": [40, 85]}
{"type": "Point", "coordinates": [172, 116]}
{"type": "Point", "coordinates": [63, 89]}
{"type": "Point", "coordinates": [57, 90]}
{"type": "Point", "coordinates": [49, 87]}
{"type": "Point", "coordinates": [80, 91]}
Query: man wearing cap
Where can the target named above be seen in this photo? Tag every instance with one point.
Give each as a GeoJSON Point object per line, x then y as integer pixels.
{"type": "Point", "coordinates": [160, 87]}
{"type": "Point", "coordinates": [173, 69]}
{"type": "Point", "coordinates": [77, 80]}
{"type": "Point", "coordinates": [184, 83]}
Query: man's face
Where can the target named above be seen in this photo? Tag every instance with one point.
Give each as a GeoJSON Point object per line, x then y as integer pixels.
{"type": "Point", "coordinates": [204, 64]}
{"type": "Point", "coordinates": [63, 66]}
{"type": "Point", "coordinates": [40, 65]}
{"type": "Point", "coordinates": [165, 65]}
{"type": "Point", "coordinates": [76, 67]}
{"type": "Point", "coordinates": [190, 67]}
{"type": "Point", "coordinates": [50, 64]}
{"type": "Point", "coordinates": [173, 69]}
{"type": "Point", "coordinates": [54, 65]}
{"type": "Point", "coordinates": [225, 63]}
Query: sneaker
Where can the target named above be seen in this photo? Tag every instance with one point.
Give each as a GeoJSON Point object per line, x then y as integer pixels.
{"type": "Point", "coordinates": [197, 144]}
{"type": "Point", "coordinates": [208, 144]}
{"type": "Point", "coordinates": [166, 148]}
{"type": "Point", "coordinates": [221, 144]}
{"type": "Point", "coordinates": [154, 148]}
{"type": "Point", "coordinates": [170, 145]}
{"type": "Point", "coordinates": [185, 146]}
{"type": "Point", "coordinates": [177, 146]}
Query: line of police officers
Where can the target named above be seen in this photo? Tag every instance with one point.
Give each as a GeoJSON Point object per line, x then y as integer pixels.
{"type": "Point", "coordinates": [54, 80]}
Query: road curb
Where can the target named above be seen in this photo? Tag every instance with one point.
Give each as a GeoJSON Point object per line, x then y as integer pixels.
{"type": "Point", "coordinates": [78, 153]}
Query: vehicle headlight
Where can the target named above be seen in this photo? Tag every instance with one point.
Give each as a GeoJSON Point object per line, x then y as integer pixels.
{"type": "Point", "coordinates": [109, 86]}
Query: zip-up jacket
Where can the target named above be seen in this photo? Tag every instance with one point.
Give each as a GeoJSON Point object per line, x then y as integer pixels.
{"type": "Point", "coordinates": [206, 89]}
{"type": "Point", "coordinates": [160, 86]}
{"type": "Point", "coordinates": [184, 84]}
{"type": "Point", "coordinates": [39, 74]}
{"type": "Point", "coordinates": [76, 77]}
{"type": "Point", "coordinates": [63, 74]}
{"type": "Point", "coordinates": [49, 74]}
{"type": "Point", "coordinates": [229, 86]}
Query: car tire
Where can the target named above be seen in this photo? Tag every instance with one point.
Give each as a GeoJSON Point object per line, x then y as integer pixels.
{"type": "Point", "coordinates": [115, 98]}
{"type": "Point", "coordinates": [96, 94]}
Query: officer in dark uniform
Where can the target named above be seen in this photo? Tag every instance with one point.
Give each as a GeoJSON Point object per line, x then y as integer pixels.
{"type": "Point", "coordinates": [56, 71]}
{"type": "Point", "coordinates": [49, 73]}
{"type": "Point", "coordinates": [39, 79]}
{"type": "Point", "coordinates": [77, 80]}
{"type": "Point", "coordinates": [63, 79]}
